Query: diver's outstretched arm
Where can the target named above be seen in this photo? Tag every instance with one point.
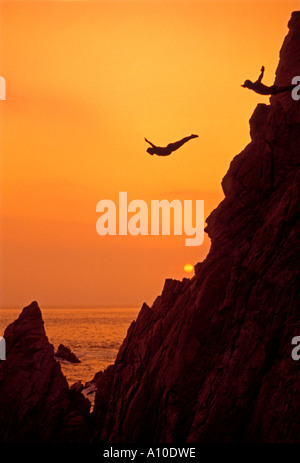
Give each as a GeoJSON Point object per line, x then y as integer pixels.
{"type": "Point", "coordinates": [261, 74]}
{"type": "Point", "coordinates": [153, 146]}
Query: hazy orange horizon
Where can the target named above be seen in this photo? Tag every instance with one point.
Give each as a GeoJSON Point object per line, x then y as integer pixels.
{"type": "Point", "coordinates": [86, 82]}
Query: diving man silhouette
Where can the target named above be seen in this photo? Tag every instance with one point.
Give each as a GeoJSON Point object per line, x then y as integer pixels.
{"type": "Point", "coordinates": [262, 89]}
{"type": "Point", "coordinates": [167, 150]}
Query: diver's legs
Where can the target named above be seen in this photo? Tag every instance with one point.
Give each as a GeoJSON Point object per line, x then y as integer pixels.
{"type": "Point", "coordinates": [178, 144]}
{"type": "Point", "coordinates": [276, 89]}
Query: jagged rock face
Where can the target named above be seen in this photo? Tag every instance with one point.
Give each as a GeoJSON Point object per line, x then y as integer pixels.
{"type": "Point", "coordinates": [36, 404]}
{"type": "Point", "coordinates": [211, 359]}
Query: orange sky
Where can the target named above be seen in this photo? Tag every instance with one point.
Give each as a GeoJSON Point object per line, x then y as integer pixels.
{"type": "Point", "coordinates": [86, 81]}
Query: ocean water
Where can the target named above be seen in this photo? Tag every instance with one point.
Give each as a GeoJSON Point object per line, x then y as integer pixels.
{"type": "Point", "coordinates": [93, 334]}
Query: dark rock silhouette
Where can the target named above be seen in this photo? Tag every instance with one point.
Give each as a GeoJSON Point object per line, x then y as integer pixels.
{"type": "Point", "coordinates": [36, 404]}
{"type": "Point", "coordinates": [211, 359]}
{"type": "Point", "coordinates": [65, 353]}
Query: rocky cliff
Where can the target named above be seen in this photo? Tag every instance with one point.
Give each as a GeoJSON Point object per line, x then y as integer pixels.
{"type": "Point", "coordinates": [211, 359]}
{"type": "Point", "coordinates": [36, 404]}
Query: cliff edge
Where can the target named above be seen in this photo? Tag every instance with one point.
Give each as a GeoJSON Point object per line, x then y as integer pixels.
{"type": "Point", "coordinates": [211, 361]}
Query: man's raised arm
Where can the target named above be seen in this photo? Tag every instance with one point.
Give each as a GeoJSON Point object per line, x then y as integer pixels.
{"type": "Point", "coordinates": [261, 74]}
{"type": "Point", "coordinates": [153, 146]}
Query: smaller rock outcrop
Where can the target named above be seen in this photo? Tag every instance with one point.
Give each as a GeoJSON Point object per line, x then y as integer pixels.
{"type": "Point", "coordinates": [36, 404]}
{"type": "Point", "coordinates": [65, 353]}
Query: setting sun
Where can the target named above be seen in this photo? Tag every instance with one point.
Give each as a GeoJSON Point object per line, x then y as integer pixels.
{"type": "Point", "coordinates": [188, 267]}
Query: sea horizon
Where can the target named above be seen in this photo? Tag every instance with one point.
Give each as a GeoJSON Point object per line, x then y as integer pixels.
{"type": "Point", "coordinates": [94, 334]}
{"type": "Point", "coordinates": [74, 306]}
